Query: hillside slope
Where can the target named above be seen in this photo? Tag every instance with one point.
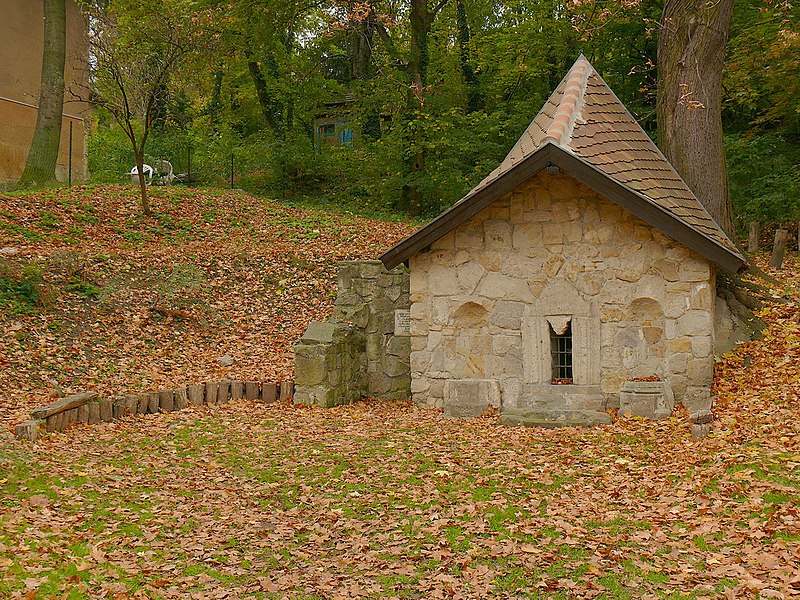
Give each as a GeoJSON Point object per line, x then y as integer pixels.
{"type": "Point", "coordinates": [93, 295]}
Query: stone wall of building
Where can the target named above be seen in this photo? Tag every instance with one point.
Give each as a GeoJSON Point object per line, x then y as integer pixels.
{"type": "Point", "coordinates": [364, 349]}
{"type": "Point", "coordinates": [486, 296]}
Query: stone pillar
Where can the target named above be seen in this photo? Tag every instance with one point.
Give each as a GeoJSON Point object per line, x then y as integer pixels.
{"type": "Point", "coordinates": [376, 301]}
{"type": "Point", "coordinates": [329, 364]}
{"type": "Point", "coordinates": [364, 349]}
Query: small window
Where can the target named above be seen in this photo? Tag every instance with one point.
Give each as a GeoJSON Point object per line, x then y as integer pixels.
{"type": "Point", "coordinates": [327, 130]}
{"type": "Point", "coordinates": [345, 137]}
{"type": "Point", "coordinates": [561, 355]}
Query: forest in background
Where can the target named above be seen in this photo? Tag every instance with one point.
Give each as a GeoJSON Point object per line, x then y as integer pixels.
{"type": "Point", "coordinates": [428, 97]}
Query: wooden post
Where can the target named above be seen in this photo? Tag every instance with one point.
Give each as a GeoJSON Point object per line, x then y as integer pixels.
{"type": "Point", "coordinates": [142, 406]}
{"type": "Point", "coordinates": [752, 239]}
{"type": "Point", "coordinates": [212, 387]}
{"type": "Point", "coordinates": [94, 412]}
{"type": "Point", "coordinates": [166, 400]}
{"type": "Point", "coordinates": [779, 248]}
{"type": "Point", "coordinates": [237, 390]}
{"type": "Point", "coordinates": [181, 398]}
{"type": "Point", "coordinates": [29, 430]}
{"type": "Point", "coordinates": [152, 402]}
{"type": "Point", "coordinates": [106, 410]}
{"type": "Point", "coordinates": [269, 392]}
{"type": "Point", "coordinates": [83, 413]}
{"type": "Point", "coordinates": [287, 390]}
{"type": "Point", "coordinates": [196, 393]}
{"type": "Point", "coordinates": [223, 391]}
{"type": "Point", "coordinates": [251, 390]}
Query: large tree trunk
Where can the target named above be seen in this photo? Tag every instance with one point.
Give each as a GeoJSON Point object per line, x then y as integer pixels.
{"type": "Point", "coordinates": [40, 166]}
{"type": "Point", "coordinates": [420, 19]}
{"type": "Point", "coordinates": [691, 49]}
{"type": "Point", "coordinates": [474, 99]}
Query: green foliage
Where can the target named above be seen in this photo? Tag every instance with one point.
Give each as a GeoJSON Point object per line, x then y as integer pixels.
{"type": "Point", "coordinates": [764, 175]}
{"type": "Point", "coordinates": [214, 109]}
{"type": "Point", "coordinates": [21, 288]}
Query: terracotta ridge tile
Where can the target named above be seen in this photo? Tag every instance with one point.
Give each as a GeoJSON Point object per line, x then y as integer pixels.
{"type": "Point", "coordinates": [566, 112]}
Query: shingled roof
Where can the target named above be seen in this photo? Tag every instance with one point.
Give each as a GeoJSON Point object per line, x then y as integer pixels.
{"type": "Point", "coordinates": [586, 131]}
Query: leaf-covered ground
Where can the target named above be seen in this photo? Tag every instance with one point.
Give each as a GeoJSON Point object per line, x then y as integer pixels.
{"type": "Point", "coordinates": [381, 499]}
{"type": "Point", "coordinates": [134, 303]}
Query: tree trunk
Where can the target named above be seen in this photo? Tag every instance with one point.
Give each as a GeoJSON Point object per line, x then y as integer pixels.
{"type": "Point", "coordinates": [421, 19]}
{"type": "Point", "coordinates": [145, 201]}
{"type": "Point", "coordinates": [271, 107]}
{"type": "Point", "coordinates": [474, 99]}
{"type": "Point", "coordinates": [691, 50]}
{"type": "Point", "coordinates": [40, 166]}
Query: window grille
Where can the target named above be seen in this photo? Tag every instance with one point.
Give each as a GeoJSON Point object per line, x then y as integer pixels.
{"type": "Point", "coordinates": [561, 354]}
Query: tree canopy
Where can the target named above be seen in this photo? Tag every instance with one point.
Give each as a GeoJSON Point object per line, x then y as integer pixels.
{"type": "Point", "coordinates": [406, 105]}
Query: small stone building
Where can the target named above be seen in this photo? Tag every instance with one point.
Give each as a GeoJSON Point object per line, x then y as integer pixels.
{"type": "Point", "coordinates": [580, 266]}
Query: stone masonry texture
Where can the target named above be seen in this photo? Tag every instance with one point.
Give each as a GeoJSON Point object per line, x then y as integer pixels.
{"type": "Point", "coordinates": [486, 295]}
{"type": "Point", "coordinates": [358, 352]}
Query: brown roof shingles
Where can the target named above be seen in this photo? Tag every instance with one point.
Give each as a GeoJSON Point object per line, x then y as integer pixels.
{"type": "Point", "coordinates": [585, 118]}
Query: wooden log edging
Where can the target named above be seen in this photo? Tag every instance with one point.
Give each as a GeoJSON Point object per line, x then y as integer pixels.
{"type": "Point", "coordinates": [88, 408]}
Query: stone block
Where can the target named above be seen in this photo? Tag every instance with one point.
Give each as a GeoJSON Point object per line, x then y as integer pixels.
{"type": "Point", "coordinates": [692, 269]}
{"type": "Point", "coordinates": [310, 370]}
{"type": "Point", "coordinates": [508, 314]}
{"type": "Point", "coordinates": [319, 333]}
{"type": "Point", "coordinates": [649, 399]}
{"type": "Point", "coordinates": [466, 398]}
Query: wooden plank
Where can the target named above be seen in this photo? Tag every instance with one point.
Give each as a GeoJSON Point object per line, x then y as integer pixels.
{"type": "Point", "coordinates": [269, 392]}
{"type": "Point", "coordinates": [29, 430]}
{"type": "Point", "coordinates": [196, 393]}
{"type": "Point", "coordinates": [237, 390]}
{"type": "Point", "coordinates": [287, 390]}
{"type": "Point", "coordinates": [223, 391]}
{"type": "Point", "coordinates": [166, 400]}
{"type": "Point", "coordinates": [778, 249]}
{"type": "Point", "coordinates": [181, 398]}
{"type": "Point", "coordinates": [94, 412]}
{"type": "Point", "coordinates": [152, 403]}
{"type": "Point", "coordinates": [211, 392]}
{"type": "Point", "coordinates": [66, 403]}
{"type": "Point", "coordinates": [251, 391]}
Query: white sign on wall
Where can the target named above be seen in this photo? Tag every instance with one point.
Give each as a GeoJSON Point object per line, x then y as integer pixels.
{"type": "Point", "coordinates": [402, 322]}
